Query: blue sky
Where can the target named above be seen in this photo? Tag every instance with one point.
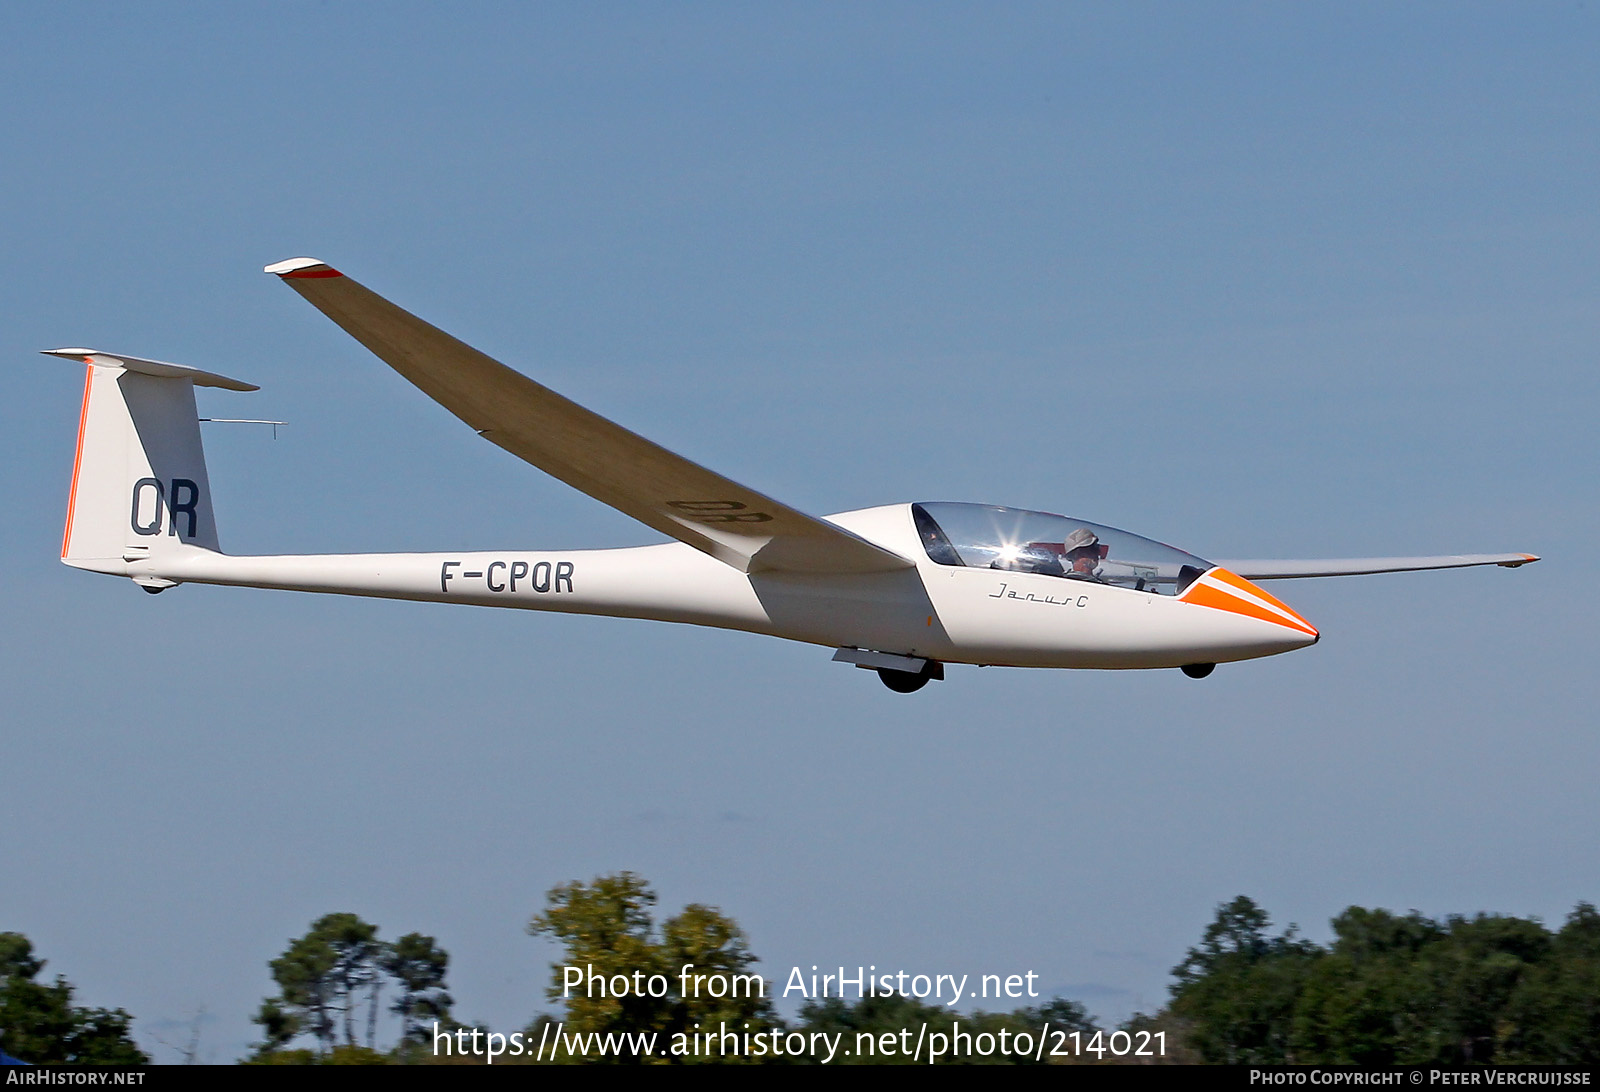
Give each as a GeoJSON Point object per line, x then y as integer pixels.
{"type": "Point", "coordinates": [1255, 280]}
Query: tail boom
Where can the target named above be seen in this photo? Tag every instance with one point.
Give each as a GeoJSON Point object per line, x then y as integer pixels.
{"type": "Point", "coordinates": [668, 583]}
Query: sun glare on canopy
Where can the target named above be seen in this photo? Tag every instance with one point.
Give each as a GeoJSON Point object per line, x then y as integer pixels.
{"type": "Point", "coordinates": [984, 536]}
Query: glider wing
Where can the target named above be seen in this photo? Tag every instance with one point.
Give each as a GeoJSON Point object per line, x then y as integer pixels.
{"type": "Point", "coordinates": [737, 525]}
{"type": "Point", "coordinates": [1361, 566]}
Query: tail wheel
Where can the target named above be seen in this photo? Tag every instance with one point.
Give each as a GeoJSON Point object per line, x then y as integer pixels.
{"type": "Point", "coordinates": [1198, 671]}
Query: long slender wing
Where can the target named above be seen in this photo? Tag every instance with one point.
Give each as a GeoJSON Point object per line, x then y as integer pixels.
{"type": "Point", "coordinates": [1361, 566]}
{"type": "Point", "coordinates": [743, 528]}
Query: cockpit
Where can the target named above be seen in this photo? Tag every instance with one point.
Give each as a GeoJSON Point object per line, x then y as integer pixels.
{"type": "Point", "coordinates": [984, 536]}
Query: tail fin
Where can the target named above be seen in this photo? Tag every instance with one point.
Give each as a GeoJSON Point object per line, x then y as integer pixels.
{"type": "Point", "coordinates": [139, 486]}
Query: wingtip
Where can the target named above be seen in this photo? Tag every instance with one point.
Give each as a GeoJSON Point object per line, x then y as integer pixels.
{"type": "Point", "coordinates": [1527, 559]}
{"type": "Point", "coordinates": [302, 267]}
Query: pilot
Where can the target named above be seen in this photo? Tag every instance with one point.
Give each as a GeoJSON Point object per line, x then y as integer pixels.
{"type": "Point", "coordinates": [1084, 551]}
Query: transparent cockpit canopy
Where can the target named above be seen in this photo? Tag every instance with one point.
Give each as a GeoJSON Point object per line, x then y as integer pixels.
{"type": "Point", "coordinates": [984, 536]}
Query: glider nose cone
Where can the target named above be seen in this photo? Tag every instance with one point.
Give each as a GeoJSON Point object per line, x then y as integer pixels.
{"type": "Point", "coordinates": [1220, 589]}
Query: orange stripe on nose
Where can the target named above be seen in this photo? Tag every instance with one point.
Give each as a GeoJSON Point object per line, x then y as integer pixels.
{"type": "Point", "coordinates": [1222, 590]}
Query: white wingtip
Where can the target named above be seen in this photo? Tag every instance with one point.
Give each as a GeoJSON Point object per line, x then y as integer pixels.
{"type": "Point", "coordinates": [291, 266]}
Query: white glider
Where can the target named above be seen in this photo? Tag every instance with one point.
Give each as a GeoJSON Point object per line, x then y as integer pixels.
{"type": "Point", "coordinates": [902, 589]}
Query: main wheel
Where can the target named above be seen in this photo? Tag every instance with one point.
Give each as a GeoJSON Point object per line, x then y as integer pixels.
{"type": "Point", "coordinates": [1198, 671]}
{"type": "Point", "coordinates": [903, 682]}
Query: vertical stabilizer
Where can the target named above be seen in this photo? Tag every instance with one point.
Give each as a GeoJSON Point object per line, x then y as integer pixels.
{"type": "Point", "coordinates": [139, 485]}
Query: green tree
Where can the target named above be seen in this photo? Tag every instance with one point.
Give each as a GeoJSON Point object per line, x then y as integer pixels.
{"type": "Point", "coordinates": [356, 955]}
{"type": "Point", "coordinates": [1360, 1005]}
{"type": "Point", "coordinates": [1060, 1014]}
{"type": "Point", "coordinates": [700, 967]}
{"type": "Point", "coordinates": [1553, 1017]}
{"type": "Point", "coordinates": [324, 979]}
{"type": "Point", "coordinates": [418, 967]}
{"type": "Point", "coordinates": [871, 1018]}
{"type": "Point", "coordinates": [604, 928]}
{"type": "Point", "coordinates": [1171, 1041]}
{"type": "Point", "coordinates": [714, 950]}
{"type": "Point", "coordinates": [39, 1023]}
{"type": "Point", "coordinates": [1393, 990]}
{"type": "Point", "coordinates": [1240, 986]}
{"type": "Point", "coordinates": [305, 1003]}
{"type": "Point", "coordinates": [864, 1023]}
{"type": "Point", "coordinates": [1467, 981]}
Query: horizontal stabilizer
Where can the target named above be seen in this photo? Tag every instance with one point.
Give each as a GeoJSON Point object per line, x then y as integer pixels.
{"type": "Point", "coordinates": [158, 368]}
{"type": "Point", "coordinates": [1363, 566]}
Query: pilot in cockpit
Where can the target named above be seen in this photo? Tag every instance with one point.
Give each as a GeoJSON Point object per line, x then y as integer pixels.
{"type": "Point", "coordinates": [1084, 551]}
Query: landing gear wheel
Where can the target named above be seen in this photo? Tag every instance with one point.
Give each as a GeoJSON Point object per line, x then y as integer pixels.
{"type": "Point", "coordinates": [902, 682]}
{"type": "Point", "coordinates": [1198, 671]}
{"type": "Point", "coordinates": [909, 682]}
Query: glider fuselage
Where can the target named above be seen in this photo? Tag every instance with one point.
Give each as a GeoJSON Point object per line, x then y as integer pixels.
{"type": "Point", "coordinates": [930, 611]}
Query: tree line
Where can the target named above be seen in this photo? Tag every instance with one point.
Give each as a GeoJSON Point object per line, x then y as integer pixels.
{"type": "Point", "coordinates": [1393, 989]}
{"type": "Point", "coordinates": [1388, 989]}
